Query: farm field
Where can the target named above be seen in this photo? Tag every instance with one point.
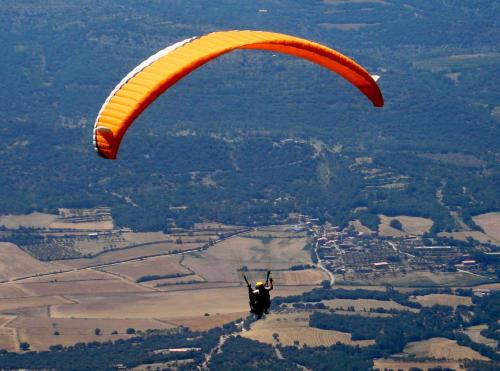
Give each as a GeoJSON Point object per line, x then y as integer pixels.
{"type": "Point", "coordinates": [362, 305]}
{"type": "Point", "coordinates": [11, 290]}
{"type": "Point", "coordinates": [291, 278]}
{"type": "Point", "coordinates": [11, 304]}
{"type": "Point", "coordinates": [173, 282]}
{"type": "Point", "coordinates": [441, 348]}
{"type": "Point", "coordinates": [393, 364]}
{"type": "Point", "coordinates": [160, 265]}
{"type": "Point", "coordinates": [8, 339]}
{"type": "Point", "coordinates": [129, 254]}
{"type": "Point", "coordinates": [15, 263]}
{"type": "Point", "coordinates": [294, 327]}
{"type": "Point", "coordinates": [222, 261]}
{"type": "Point", "coordinates": [33, 220]}
{"type": "Point", "coordinates": [358, 226]}
{"type": "Point", "coordinates": [63, 302]}
{"type": "Point", "coordinates": [474, 332]}
{"type": "Point", "coordinates": [163, 305]}
{"type": "Point", "coordinates": [411, 225]}
{"type": "Point", "coordinates": [476, 235]}
{"type": "Point", "coordinates": [40, 289]}
{"type": "Point", "coordinates": [203, 323]}
{"type": "Point", "coordinates": [40, 333]}
{"type": "Point", "coordinates": [423, 279]}
{"type": "Point", "coordinates": [490, 223]}
{"type": "Point", "coordinates": [443, 299]}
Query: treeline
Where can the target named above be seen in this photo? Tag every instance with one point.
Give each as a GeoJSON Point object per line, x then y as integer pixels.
{"type": "Point", "coordinates": [127, 353]}
{"type": "Point", "coordinates": [154, 277]}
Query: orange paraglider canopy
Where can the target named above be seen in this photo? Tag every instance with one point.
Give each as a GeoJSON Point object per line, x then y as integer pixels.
{"type": "Point", "coordinates": [156, 74]}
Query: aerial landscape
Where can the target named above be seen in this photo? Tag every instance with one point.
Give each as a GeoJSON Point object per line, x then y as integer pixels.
{"type": "Point", "coordinates": [370, 196]}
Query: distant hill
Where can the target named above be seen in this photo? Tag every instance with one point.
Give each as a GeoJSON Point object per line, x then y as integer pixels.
{"type": "Point", "coordinates": [253, 137]}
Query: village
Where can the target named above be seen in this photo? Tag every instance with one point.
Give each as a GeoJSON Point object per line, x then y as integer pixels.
{"type": "Point", "coordinates": [355, 256]}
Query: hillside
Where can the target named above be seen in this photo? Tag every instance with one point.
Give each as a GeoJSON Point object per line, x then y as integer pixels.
{"type": "Point", "coordinates": [253, 136]}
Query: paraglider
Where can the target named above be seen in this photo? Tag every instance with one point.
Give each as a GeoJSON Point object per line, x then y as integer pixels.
{"type": "Point", "coordinates": [162, 70]}
{"type": "Point", "coordinates": [259, 298]}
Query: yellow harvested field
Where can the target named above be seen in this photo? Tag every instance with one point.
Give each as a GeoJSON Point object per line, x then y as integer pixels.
{"type": "Point", "coordinates": [131, 253]}
{"type": "Point", "coordinates": [102, 225]}
{"type": "Point", "coordinates": [488, 286]}
{"type": "Point", "coordinates": [425, 279]}
{"type": "Point", "coordinates": [168, 305]}
{"type": "Point", "coordinates": [160, 265]}
{"type": "Point", "coordinates": [411, 225]}
{"type": "Point", "coordinates": [293, 327]}
{"type": "Point", "coordinates": [360, 287]}
{"type": "Point", "coordinates": [441, 348]}
{"type": "Point", "coordinates": [474, 332]}
{"type": "Point", "coordinates": [476, 235]}
{"type": "Point", "coordinates": [17, 303]}
{"type": "Point", "coordinates": [115, 285]}
{"type": "Point", "coordinates": [71, 276]}
{"type": "Point", "coordinates": [303, 277]}
{"type": "Point", "coordinates": [8, 339]}
{"type": "Point", "coordinates": [222, 261]}
{"type": "Point", "coordinates": [199, 286]}
{"type": "Point", "coordinates": [145, 237]}
{"type": "Point", "coordinates": [290, 278]}
{"type": "Point", "coordinates": [39, 332]}
{"type": "Point", "coordinates": [33, 220]}
{"type": "Point", "coordinates": [393, 364]}
{"type": "Point", "coordinates": [443, 299]}
{"type": "Point", "coordinates": [204, 323]}
{"type": "Point", "coordinates": [11, 290]}
{"type": "Point", "coordinates": [358, 226]}
{"type": "Point", "coordinates": [166, 282]}
{"type": "Point", "coordinates": [365, 304]}
{"type": "Point", "coordinates": [490, 222]}
{"type": "Point", "coordinates": [15, 263]}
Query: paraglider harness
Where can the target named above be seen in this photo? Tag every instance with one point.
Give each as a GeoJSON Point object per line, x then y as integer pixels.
{"type": "Point", "coordinates": [258, 304]}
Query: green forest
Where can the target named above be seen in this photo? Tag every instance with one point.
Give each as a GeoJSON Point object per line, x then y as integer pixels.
{"type": "Point", "coordinates": [253, 136]}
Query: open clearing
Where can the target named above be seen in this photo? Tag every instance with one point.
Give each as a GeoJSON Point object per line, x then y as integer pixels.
{"type": "Point", "coordinates": [12, 290]}
{"type": "Point", "coordinates": [168, 305]}
{"type": "Point", "coordinates": [476, 235]}
{"type": "Point", "coordinates": [425, 279]}
{"type": "Point", "coordinates": [490, 222]}
{"type": "Point", "coordinates": [441, 348]}
{"type": "Point", "coordinates": [411, 225]}
{"type": "Point", "coordinates": [361, 305]}
{"type": "Point", "coordinates": [474, 332]}
{"type": "Point", "coordinates": [359, 227]}
{"type": "Point", "coordinates": [17, 303]}
{"type": "Point", "coordinates": [8, 339]}
{"type": "Point", "coordinates": [40, 332]}
{"type": "Point", "coordinates": [33, 220]}
{"type": "Point", "coordinates": [293, 327]}
{"type": "Point", "coordinates": [131, 253]}
{"type": "Point", "coordinates": [40, 289]}
{"type": "Point", "coordinates": [290, 278]}
{"type": "Point", "coordinates": [222, 261]}
{"type": "Point", "coordinates": [443, 299]}
{"type": "Point", "coordinates": [15, 263]}
{"type": "Point", "coordinates": [204, 323]}
{"type": "Point", "coordinates": [393, 364]}
{"type": "Point", "coordinates": [160, 265]}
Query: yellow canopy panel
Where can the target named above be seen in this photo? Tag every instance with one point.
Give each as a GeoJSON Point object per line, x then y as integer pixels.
{"type": "Point", "coordinates": [156, 74]}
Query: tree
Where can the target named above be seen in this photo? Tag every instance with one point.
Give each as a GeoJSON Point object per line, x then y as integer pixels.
{"type": "Point", "coordinates": [396, 224]}
{"type": "Point", "coordinates": [130, 331]}
{"type": "Point", "coordinates": [24, 346]}
{"type": "Point", "coordinates": [97, 331]}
